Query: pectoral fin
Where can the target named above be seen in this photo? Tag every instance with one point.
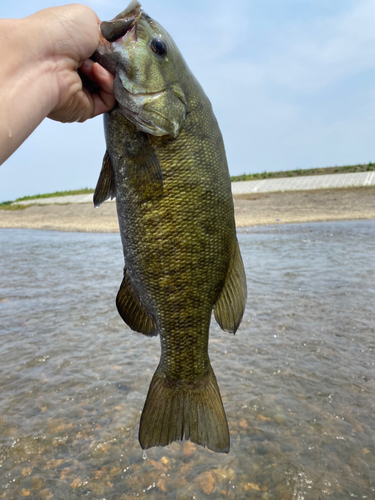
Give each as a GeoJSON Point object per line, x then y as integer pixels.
{"type": "Point", "coordinates": [230, 306]}
{"type": "Point", "coordinates": [145, 175]}
{"type": "Point", "coordinates": [132, 311]}
{"type": "Point", "coordinates": [105, 187]}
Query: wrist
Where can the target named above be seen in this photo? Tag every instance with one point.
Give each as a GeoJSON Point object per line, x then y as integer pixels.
{"type": "Point", "coordinates": [38, 71]}
{"type": "Point", "coordinates": [26, 90]}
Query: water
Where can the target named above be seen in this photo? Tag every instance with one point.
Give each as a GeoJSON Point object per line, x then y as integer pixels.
{"type": "Point", "coordinates": [297, 380]}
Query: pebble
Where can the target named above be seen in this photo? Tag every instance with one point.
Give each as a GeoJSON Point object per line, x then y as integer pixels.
{"type": "Point", "coordinates": [54, 463]}
{"type": "Point", "coordinates": [64, 473]}
{"type": "Point", "coordinates": [224, 474]}
{"type": "Point", "coordinates": [243, 423]}
{"type": "Point", "coordinates": [262, 418]}
{"type": "Point", "coordinates": [76, 483]}
{"type": "Point", "coordinates": [188, 448]}
{"type": "Point", "coordinates": [157, 465]}
{"type": "Point", "coordinates": [10, 431]}
{"type": "Point", "coordinates": [251, 486]}
{"type": "Point", "coordinates": [99, 474]}
{"type": "Point", "coordinates": [45, 494]}
{"type": "Point", "coordinates": [106, 447]}
{"type": "Point", "coordinates": [161, 484]}
{"type": "Point", "coordinates": [36, 483]}
{"type": "Point", "coordinates": [185, 469]}
{"type": "Point", "coordinates": [59, 425]}
{"type": "Point", "coordinates": [96, 487]}
{"type": "Point", "coordinates": [280, 419]}
{"type": "Point", "coordinates": [206, 482]}
{"type": "Point", "coordinates": [115, 471]}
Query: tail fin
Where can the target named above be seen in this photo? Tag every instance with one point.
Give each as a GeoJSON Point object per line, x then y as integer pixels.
{"type": "Point", "coordinates": [177, 410]}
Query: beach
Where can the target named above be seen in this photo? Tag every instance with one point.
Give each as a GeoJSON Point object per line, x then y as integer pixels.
{"type": "Point", "coordinates": [250, 210]}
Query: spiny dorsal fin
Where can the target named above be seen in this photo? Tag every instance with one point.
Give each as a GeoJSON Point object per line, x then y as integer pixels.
{"type": "Point", "coordinates": [132, 311]}
{"type": "Point", "coordinates": [230, 306]}
{"type": "Point", "coordinates": [105, 187]}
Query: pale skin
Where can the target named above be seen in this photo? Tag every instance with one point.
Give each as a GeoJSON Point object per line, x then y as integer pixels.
{"type": "Point", "coordinates": [40, 56]}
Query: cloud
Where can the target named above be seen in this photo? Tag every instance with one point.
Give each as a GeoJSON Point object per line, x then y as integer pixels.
{"type": "Point", "coordinates": [328, 49]}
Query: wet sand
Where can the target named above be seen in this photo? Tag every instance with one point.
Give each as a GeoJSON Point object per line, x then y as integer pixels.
{"type": "Point", "coordinates": [250, 210]}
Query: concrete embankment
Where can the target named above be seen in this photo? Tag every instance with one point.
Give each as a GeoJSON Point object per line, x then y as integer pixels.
{"type": "Point", "coordinates": [312, 182]}
{"type": "Point", "coordinates": [251, 209]}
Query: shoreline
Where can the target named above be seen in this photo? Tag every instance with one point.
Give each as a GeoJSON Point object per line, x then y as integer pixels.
{"type": "Point", "coordinates": [256, 209]}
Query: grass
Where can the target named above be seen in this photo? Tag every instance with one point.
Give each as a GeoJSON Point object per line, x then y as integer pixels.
{"type": "Point", "coordinates": [8, 205]}
{"type": "Point", "coordinates": [56, 193]}
{"type": "Point", "coordinates": [367, 167]}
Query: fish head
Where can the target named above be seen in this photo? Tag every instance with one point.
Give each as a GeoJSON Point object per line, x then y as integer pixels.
{"type": "Point", "coordinates": [145, 61]}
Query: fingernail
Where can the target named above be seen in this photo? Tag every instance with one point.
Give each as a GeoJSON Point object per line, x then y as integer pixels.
{"type": "Point", "coordinates": [101, 70]}
{"type": "Point", "coordinates": [86, 64]}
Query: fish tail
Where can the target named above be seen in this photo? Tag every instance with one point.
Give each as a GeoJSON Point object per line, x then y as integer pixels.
{"type": "Point", "coordinates": [175, 410]}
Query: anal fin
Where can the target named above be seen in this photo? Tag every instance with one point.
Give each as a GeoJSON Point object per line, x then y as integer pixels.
{"type": "Point", "coordinates": [132, 311]}
{"type": "Point", "coordinates": [231, 303]}
{"type": "Point", "coordinates": [105, 188]}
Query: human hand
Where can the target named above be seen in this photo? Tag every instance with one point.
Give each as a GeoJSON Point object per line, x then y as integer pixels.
{"type": "Point", "coordinates": [73, 37]}
{"type": "Point", "coordinates": [40, 58]}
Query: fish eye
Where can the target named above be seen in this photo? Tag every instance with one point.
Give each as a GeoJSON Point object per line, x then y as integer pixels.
{"type": "Point", "coordinates": [159, 46]}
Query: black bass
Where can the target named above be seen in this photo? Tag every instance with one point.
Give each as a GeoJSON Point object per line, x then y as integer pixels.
{"type": "Point", "coordinates": [166, 165]}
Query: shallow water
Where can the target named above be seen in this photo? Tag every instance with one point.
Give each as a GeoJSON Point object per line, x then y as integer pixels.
{"type": "Point", "coordinates": [297, 380]}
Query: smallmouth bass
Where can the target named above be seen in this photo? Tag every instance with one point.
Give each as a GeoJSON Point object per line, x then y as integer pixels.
{"type": "Point", "coordinates": [166, 165]}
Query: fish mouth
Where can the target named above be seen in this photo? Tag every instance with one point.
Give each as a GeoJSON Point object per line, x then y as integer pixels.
{"type": "Point", "coordinates": [122, 23]}
{"type": "Point", "coordinates": [111, 31]}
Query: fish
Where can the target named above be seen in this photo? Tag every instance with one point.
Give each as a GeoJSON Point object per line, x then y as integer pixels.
{"type": "Point", "coordinates": [165, 163]}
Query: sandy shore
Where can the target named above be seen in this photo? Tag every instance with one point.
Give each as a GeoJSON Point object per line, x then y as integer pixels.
{"type": "Point", "coordinates": [251, 210]}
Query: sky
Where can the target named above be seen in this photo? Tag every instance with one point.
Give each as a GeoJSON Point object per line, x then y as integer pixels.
{"type": "Point", "coordinates": [292, 84]}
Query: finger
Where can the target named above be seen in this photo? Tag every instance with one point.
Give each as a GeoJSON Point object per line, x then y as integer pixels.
{"type": "Point", "coordinates": [102, 101]}
{"type": "Point", "coordinates": [98, 104]}
{"type": "Point", "coordinates": [102, 77]}
{"type": "Point", "coordinates": [97, 74]}
{"type": "Point", "coordinates": [108, 99]}
{"type": "Point", "coordinates": [85, 68]}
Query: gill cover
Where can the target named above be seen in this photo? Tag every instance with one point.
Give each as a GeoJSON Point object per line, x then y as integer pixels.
{"type": "Point", "coordinates": [142, 56]}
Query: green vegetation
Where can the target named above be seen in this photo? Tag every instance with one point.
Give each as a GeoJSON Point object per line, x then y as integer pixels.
{"type": "Point", "coordinates": [367, 167]}
{"type": "Point", "coordinates": [7, 205]}
{"type": "Point", "coordinates": [56, 193]}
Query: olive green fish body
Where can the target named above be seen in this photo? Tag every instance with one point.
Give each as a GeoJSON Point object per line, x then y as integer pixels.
{"type": "Point", "coordinates": [182, 259]}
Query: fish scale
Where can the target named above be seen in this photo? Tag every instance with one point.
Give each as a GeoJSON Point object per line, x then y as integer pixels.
{"type": "Point", "coordinates": [166, 165]}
